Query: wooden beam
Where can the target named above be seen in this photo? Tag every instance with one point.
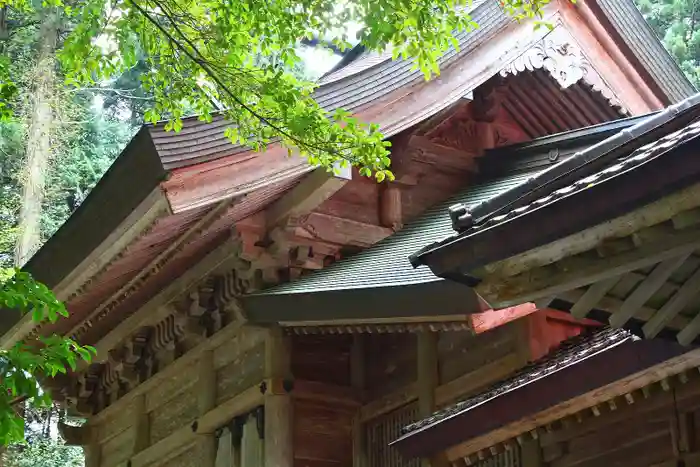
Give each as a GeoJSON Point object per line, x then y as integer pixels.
{"type": "Point", "coordinates": [428, 377]}
{"type": "Point", "coordinates": [478, 379]}
{"type": "Point", "coordinates": [390, 210]}
{"type": "Point", "coordinates": [279, 443]}
{"type": "Point", "coordinates": [644, 291]}
{"type": "Point", "coordinates": [182, 439]}
{"type": "Point", "coordinates": [313, 190]}
{"type": "Point", "coordinates": [227, 333]}
{"type": "Point", "coordinates": [644, 218]}
{"type": "Point", "coordinates": [155, 206]}
{"type": "Point", "coordinates": [340, 231]}
{"type": "Point", "coordinates": [584, 269]}
{"type": "Point", "coordinates": [611, 305]}
{"type": "Point", "coordinates": [142, 425]}
{"type": "Point", "coordinates": [675, 305]}
{"type": "Point", "coordinates": [442, 156]}
{"type": "Point", "coordinates": [427, 373]}
{"type": "Point", "coordinates": [592, 296]}
{"type": "Point", "coordinates": [156, 309]}
{"type": "Point", "coordinates": [462, 386]}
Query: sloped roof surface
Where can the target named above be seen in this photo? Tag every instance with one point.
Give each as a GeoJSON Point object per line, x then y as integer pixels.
{"type": "Point", "coordinates": [386, 263]}
{"type": "Point", "coordinates": [570, 352]}
{"type": "Point", "coordinates": [368, 78]}
{"type": "Point", "coordinates": [619, 153]}
{"type": "Point", "coordinates": [641, 39]}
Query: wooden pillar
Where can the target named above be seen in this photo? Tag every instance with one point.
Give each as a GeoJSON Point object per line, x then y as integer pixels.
{"type": "Point", "coordinates": [253, 451]}
{"type": "Point", "coordinates": [427, 378]}
{"type": "Point", "coordinates": [92, 455]}
{"type": "Point", "coordinates": [206, 401]}
{"type": "Point", "coordinates": [357, 379]}
{"type": "Point", "coordinates": [531, 454]}
{"type": "Point", "coordinates": [279, 450]}
{"type": "Point", "coordinates": [390, 206]}
{"type": "Point", "coordinates": [142, 437]}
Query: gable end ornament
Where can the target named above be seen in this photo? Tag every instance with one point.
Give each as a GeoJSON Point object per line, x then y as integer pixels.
{"type": "Point", "coordinates": [559, 55]}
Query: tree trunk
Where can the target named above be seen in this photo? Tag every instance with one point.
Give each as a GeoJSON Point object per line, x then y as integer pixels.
{"type": "Point", "coordinates": [38, 142]}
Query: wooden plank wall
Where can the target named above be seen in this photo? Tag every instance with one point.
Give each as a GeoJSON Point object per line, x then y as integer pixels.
{"type": "Point", "coordinates": [322, 427]}
{"type": "Point", "coordinates": [160, 412]}
{"type": "Point", "coordinates": [658, 432]}
{"type": "Point", "coordinates": [462, 364]}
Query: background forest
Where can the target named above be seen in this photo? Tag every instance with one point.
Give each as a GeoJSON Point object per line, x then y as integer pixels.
{"type": "Point", "coordinates": [60, 141]}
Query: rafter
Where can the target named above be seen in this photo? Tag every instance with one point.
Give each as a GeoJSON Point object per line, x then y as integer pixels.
{"type": "Point", "coordinates": [313, 190]}
{"type": "Point", "coordinates": [644, 291]}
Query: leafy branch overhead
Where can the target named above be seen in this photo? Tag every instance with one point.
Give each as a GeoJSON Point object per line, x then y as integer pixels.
{"type": "Point", "coordinates": [199, 51]}
{"type": "Point", "coordinates": [24, 364]}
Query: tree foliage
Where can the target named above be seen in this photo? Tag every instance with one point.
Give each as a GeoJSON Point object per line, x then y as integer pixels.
{"type": "Point", "coordinates": [677, 23]}
{"type": "Point", "coordinates": [197, 51]}
{"type": "Point", "coordinates": [24, 364]}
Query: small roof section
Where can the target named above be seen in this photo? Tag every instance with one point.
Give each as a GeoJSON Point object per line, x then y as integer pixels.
{"type": "Point", "coordinates": [477, 243]}
{"type": "Point", "coordinates": [371, 276]}
{"type": "Point", "coordinates": [579, 365]}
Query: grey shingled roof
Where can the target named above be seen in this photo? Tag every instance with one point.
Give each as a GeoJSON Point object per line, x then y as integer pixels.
{"type": "Point", "coordinates": [570, 352]}
{"type": "Point", "coordinates": [469, 220]}
{"type": "Point", "coordinates": [637, 158]}
{"type": "Point", "coordinates": [200, 141]}
{"type": "Point", "coordinates": [642, 41]}
{"type": "Point", "coordinates": [386, 263]}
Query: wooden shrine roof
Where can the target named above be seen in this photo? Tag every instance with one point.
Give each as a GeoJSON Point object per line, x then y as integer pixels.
{"type": "Point", "coordinates": [579, 365]}
{"type": "Point", "coordinates": [377, 278]}
{"type": "Point", "coordinates": [641, 41]}
{"type": "Point", "coordinates": [172, 199]}
{"type": "Point", "coordinates": [599, 167]}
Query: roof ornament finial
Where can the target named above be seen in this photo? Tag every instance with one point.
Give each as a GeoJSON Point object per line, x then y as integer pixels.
{"type": "Point", "coordinates": [461, 216]}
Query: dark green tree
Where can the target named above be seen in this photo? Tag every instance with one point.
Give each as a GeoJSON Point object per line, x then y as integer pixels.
{"type": "Point", "coordinates": [677, 23]}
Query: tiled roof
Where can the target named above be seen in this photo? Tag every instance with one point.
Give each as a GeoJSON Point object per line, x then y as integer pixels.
{"type": "Point", "coordinates": [366, 79]}
{"type": "Point", "coordinates": [625, 17]}
{"type": "Point", "coordinates": [371, 76]}
{"type": "Point", "coordinates": [629, 162]}
{"type": "Point", "coordinates": [570, 352]}
{"type": "Point", "coordinates": [386, 263]}
{"type": "Point", "coordinates": [587, 168]}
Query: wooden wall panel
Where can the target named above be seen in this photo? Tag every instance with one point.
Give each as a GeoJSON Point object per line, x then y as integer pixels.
{"type": "Point", "coordinates": [171, 388]}
{"type": "Point", "coordinates": [238, 345]}
{"type": "Point", "coordinates": [643, 438]}
{"type": "Point", "coordinates": [116, 424]}
{"type": "Point", "coordinates": [117, 449]}
{"type": "Point", "coordinates": [390, 362]}
{"type": "Point", "coordinates": [322, 358]}
{"type": "Point", "coordinates": [357, 200]}
{"type": "Point", "coordinates": [180, 411]}
{"type": "Point", "coordinates": [191, 457]}
{"type": "Point", "coordinates": [241, 373]}
{"type": "Point", "coordinates": [461, 352]}
{"type": "Point", "coordinates": [322, 435]}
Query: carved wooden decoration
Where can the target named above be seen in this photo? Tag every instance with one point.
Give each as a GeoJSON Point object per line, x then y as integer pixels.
{"type": "Point", "coordinates": [559, 55]}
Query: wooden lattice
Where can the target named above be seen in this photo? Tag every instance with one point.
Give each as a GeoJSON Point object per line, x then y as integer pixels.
{"type": "Point", "coordinates": [383, 430]}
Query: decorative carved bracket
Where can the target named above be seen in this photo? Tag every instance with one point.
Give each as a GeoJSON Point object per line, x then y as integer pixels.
{"type": "Point", "coordinates": [560, 55]}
